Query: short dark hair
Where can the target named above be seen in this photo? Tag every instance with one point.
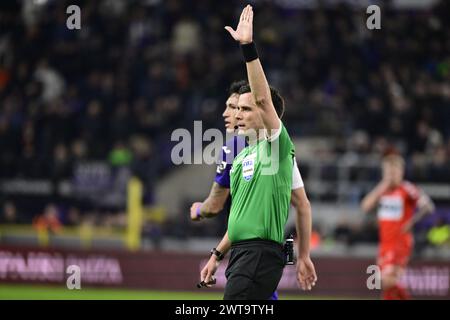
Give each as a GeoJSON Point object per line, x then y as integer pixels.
{"type": "Point", "coordinates": [277, 99]}
{"type": "Point", "coordinates": [236, 86]}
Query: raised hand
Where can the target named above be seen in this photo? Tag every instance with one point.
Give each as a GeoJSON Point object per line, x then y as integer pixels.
{"type": "Point", "coordinates": [244, 30]}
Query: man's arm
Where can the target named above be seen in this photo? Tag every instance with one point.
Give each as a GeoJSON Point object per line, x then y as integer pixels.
{"type": "Point", "coordinates": [370, 201]}
{"type": "Point", "coordinates": [424, 206]}
{"type": "Point", "coordinates": [303, 219]}
{"type": "Point", "coordinates": [306, 273]}
{"type": "Point", "coordinates": [256, 77]}
{"type": "Point", "coordinates": [212, 205]}
{"type": "Point", "coordinates": [210, 268]}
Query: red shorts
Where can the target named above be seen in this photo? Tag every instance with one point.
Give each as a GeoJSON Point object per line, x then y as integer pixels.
{"type": "Point", "coordinates": [394, 255]}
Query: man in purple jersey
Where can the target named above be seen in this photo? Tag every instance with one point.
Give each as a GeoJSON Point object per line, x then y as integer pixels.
{"type": "Point", "coordinates": [220, 190]}
{"type": "Point", "coordinates": [221, 186]}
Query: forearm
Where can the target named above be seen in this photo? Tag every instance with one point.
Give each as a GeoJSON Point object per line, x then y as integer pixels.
{"type": "Point", "coordinates": [424, 209]}
{"type": "Point", "coordinates": [210, 208]}
{"type": "Point", "coordinates": [303, 226]}
{"type": "Point", "coordinates": [371, 199]}
{"type": "Point", "coordinates": [215, 201]}
{"type": "Point", "coordinates": [224, 244]}
{"type": "Point", "coordinates": [417, 217]}
{"type": "Point", "coordinates": [258, 84]}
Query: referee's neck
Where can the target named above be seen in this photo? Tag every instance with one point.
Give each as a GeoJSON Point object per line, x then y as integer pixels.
{"type": "Point", "coordinates": [253, 140]}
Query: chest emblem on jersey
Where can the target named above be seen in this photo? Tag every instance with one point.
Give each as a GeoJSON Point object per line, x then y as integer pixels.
{"type": "Point", "coordinates": [248, 166]}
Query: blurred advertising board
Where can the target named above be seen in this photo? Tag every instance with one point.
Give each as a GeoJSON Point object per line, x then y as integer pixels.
{"type": "Point", "coordinates": [157, 270]}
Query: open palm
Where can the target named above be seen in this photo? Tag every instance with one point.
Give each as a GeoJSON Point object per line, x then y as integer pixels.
{"type": "Point", "coordinates": [244, 30]}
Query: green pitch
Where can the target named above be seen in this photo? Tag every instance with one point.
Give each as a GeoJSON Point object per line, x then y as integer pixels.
{"type": "Point", "coordinates": [27, 292]}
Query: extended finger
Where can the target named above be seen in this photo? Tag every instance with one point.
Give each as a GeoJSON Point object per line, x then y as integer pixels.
{"type": "Point", "coordinates": [314, 277]}
{"type": "Point", "coordinates": [249, 10]}
{"type": "Point", "coordinates": [208, 277]}
{"type": "Point", "coordinates": [309, 276]}
{"type": "Point", "coordinates": [203, 274]}
{"type": "Point", "coordinates": [302, 282]}
{"type": "Point", "coordinates": [244, 14]}
{"type": "Point", "coordinates": [231, 31]}
{"type": "Point", "coordinates": [211, 282]}
{"type": "Point", "coordinates": [311, 282]}
{"type": "Point", "coordinates": [241, 18]}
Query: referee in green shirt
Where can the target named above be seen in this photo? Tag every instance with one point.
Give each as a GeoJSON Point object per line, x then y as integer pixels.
{"type": "Point", "coordinates": [261, 179]}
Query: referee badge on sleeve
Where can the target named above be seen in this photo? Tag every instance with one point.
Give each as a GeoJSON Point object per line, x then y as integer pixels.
{"type": "Point", "coordinates": [248, 166]}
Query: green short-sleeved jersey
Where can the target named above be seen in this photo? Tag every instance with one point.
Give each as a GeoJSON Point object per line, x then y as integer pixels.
{"type": "Point", "coordinates": [261, 180]}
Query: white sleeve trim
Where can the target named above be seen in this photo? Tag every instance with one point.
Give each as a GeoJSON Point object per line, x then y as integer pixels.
{"type": "Point", "coordinates": [297, 181]}
{"type": "Point", "coordinates": [275, 135]}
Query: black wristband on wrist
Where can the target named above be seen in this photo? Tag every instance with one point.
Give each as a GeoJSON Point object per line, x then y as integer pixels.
{"type": "Point", "coordinates": [219, 255]}
{"type": "Point", "coordinates": [249, 51]}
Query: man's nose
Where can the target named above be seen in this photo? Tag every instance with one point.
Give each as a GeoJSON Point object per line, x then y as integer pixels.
{"type": "Point", "coordinates": [238, 115]}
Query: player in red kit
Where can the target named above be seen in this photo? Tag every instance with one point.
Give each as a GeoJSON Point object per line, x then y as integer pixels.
{"type": "Point", "coordinates": [400, 205]}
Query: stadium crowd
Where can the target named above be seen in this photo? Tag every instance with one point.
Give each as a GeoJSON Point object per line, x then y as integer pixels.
{"type": "Point", "coordinates": [115, 90]}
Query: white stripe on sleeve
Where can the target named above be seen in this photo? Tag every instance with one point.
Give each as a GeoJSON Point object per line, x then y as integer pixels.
{"type": "Point", "coordinates": [297, 181]}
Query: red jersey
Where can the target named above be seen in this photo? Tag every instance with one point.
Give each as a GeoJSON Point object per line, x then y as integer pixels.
{"type": "Point", "coordinates": [396, 207]}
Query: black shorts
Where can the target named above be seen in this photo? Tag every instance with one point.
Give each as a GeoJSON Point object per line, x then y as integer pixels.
{"type": "Point", "coordinates": [254, 270]}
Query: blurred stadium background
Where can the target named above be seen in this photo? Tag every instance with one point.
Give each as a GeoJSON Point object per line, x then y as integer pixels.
{"type": "Point", "coordinates": [86, 118]}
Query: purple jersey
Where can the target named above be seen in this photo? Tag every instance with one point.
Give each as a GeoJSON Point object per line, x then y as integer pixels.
{"type": "Point", "coordinates": [229, 151]}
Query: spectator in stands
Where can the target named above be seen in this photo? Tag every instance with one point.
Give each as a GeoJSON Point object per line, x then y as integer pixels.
{"type": "Point", "coordinates": [48, 220]}
{"type": "Point", "coordinates": [9, 214]}
{"type": "Point", "coordinates": [86, 90]}
{"type": "Point", "coordinates": [45, 90]}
